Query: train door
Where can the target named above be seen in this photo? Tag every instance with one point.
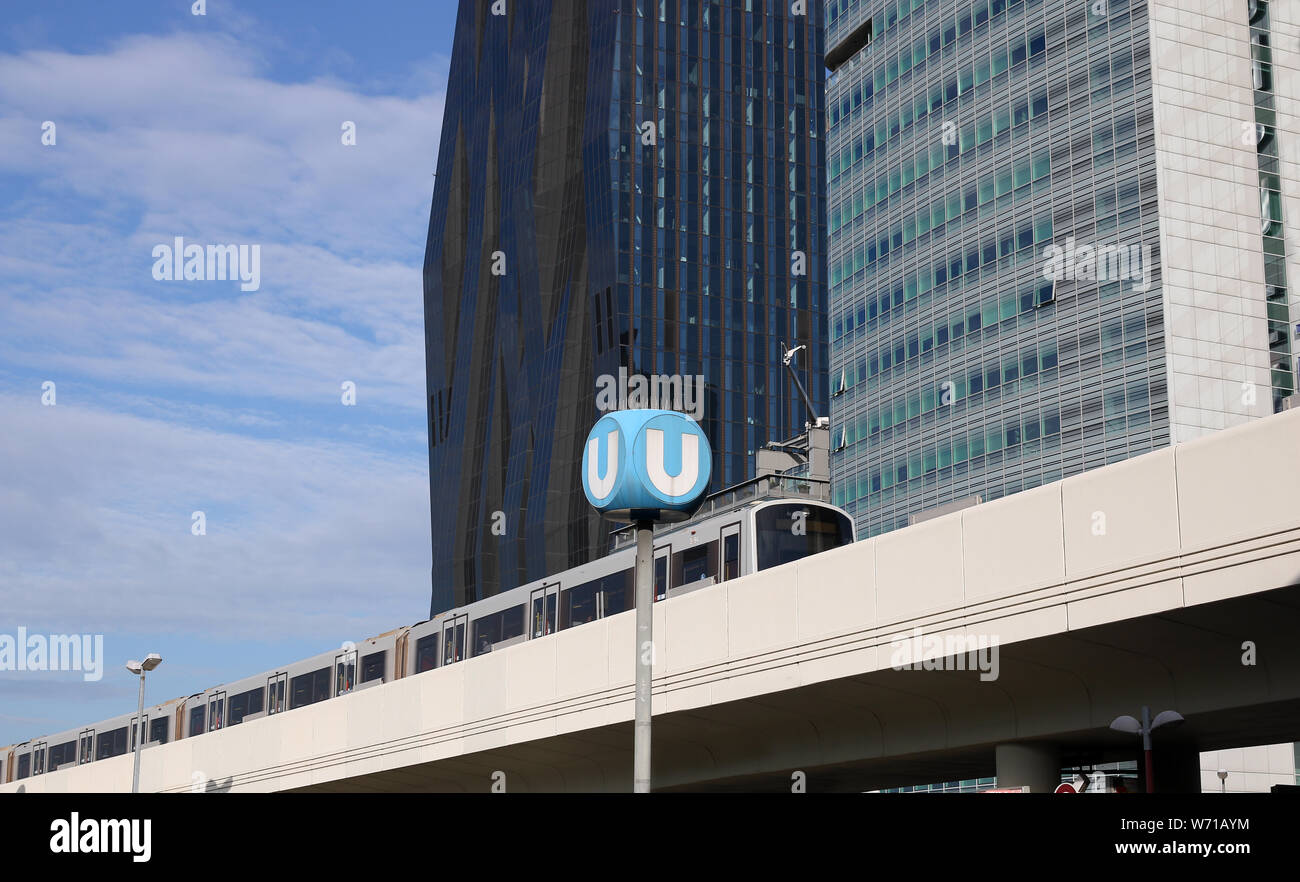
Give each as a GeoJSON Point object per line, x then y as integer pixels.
{"type": "Point", "coordinates": [730, 552]}
{"type": "Point", "coordinates": [216, 710]}
{"type": "Point", "coordinates": [345, 671]}
{"type": "Point", "coordinates": [137, 726]}
{"type": "Point", "coordinates": [39, 753]}
{"type": "Point", "coordinates": [661, 571]}
{"type": "Point", "coordinates": [453, 638]}
{"type": "Point", "coordinates": [86, 746]}
{"type": "Point", "coordinates": [275, 688]}
{"type": "Point", "coordinates": [544, 605]}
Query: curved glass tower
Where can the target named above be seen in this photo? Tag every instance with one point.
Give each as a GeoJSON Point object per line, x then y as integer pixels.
{"type": "Point", "coordinates": [629, 188]}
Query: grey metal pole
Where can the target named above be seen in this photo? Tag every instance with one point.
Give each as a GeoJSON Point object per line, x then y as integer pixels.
{"type": "Point", "coordinates": [139, 737]}
{"type": "Point", "coordinates": [1146, 749]}
{"type": "Point", "coordinates": [644, 654]}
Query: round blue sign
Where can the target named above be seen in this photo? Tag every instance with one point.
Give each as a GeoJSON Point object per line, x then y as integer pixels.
{"type": "Point", "coordinates": [646, 465]}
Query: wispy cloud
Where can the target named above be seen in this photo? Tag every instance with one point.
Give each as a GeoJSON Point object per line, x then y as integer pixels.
{"type": "Point", "coordinates": [299, 537]}
{"type": "Point", "coordinates": [182, 397]}
{"type": "Point", "coordinates": [178, 136]}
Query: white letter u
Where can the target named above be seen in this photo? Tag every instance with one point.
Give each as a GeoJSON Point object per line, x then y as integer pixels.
{"type": "Point", "coordinates": [602, 487]}
{"type": "Point", "coordinates": [672, 485]}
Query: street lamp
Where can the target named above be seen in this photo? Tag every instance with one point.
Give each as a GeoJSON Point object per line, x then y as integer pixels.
{"type": "Point", "coordinates": [1144, 728]}
{"type": "Point", "coordinates": [1223, 780]}
{"type": "Point", "coordinates": [151, 661]}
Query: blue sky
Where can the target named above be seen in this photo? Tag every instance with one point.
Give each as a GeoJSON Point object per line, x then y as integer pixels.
{"type": "Point", "coordinates": [175, 397]}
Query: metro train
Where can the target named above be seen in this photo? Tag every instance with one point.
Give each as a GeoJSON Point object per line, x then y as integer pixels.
{"type": "Point", "coordinates": [763, 523]}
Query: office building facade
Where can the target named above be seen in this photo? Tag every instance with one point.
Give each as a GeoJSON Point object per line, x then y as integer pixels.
{"type": "Point", "coordinates": [623, 189]}
{"type": "Point", "coordinates": [1060, 235]}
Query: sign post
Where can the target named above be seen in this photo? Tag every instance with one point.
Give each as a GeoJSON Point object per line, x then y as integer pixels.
{"type": "Point", "coordinates": [645, 533]}
{"type": "Point", "coordinates": [643, 467]}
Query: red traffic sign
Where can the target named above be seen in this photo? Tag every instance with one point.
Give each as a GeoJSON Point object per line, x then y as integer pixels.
{"type": "Point", "coordinates": [1065, 788]}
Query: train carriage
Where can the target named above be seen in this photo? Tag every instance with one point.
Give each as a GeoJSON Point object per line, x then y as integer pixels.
{"type": "Point", "coordinates": [737, 533]}
{"type": "Point", "coordinates": [763, 523]}
{"type": "Point", "coordinates": [103, 740]}
{"type": "Point", "coordinates": [351, 667]}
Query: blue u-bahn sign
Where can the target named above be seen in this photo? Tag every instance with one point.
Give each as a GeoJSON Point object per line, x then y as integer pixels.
{"type": "Point", "coordinates": [646, 465]}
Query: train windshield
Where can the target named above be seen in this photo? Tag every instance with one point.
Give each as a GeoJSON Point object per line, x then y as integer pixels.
{"type": "Point", "coordinates": [792, 531]}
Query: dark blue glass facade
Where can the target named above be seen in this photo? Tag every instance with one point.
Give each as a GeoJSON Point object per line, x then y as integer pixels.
{"type": "Point", "coordinates": [633, 185]}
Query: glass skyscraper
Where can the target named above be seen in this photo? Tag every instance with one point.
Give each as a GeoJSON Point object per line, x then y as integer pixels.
{"type": "Point", "coordinates": [1056, 238]}
{"type": "Point", "coordinates": [632, 186]}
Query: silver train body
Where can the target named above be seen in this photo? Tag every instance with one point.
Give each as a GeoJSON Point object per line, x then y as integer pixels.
{"type": "Point", "coordinates": [763, 523]}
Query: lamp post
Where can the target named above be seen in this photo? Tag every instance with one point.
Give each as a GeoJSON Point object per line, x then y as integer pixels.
{"type": "Point", "coordinates": [1223, 780]}
{"type": "Point", "coordinates": [1145, 728]}
{"type": "Point", "coordinates": [151, 661]}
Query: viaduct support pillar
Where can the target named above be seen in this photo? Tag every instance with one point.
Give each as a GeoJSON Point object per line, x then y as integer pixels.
{"type": "Point", "coordinates": [1033, 763]}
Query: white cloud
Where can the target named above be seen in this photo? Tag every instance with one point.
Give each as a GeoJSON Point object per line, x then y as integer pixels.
{"type": "Point", "coordinates": [184, 125]}
{"type": "Point", "coordinates": [176, 397]}
{"type": "Point", "coordinates": [302, 539]}
{"type": "Point", "coordinates": [179, 135]}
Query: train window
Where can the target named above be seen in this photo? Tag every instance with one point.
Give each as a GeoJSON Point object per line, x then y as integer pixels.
{"type": "Point", "coordinates": [731, 556]}
{"type": "Point", "coordinates": [372, 666]}
{"type": "Point", "coordinates": [512, 622]}
{"type": "Point", "coordinates": [578, 604]}
{"type": "Point", "coordinates": [24, 766]}
{"type": "Point", "coordinates": [62, 754]}
{"type": "Point", "coordinates": [487, 631]}
{"type": "Point", "coordinates": [617, 590]}
{"type": "Point", "coordinates": [198, 720]}
{"type": "Point", "coordinates": [245, 703]}
{"type": "Point", "coordinates": [494, 628]}
{"type": "Point", "coordinates": [792, 531]}
{"type": "Point", "coordinates": [696, 564]}
{"type": "Point", "coordinates": [110, 744]}
{"type": "Point", "coordinates": [426, 653]}
{"type": "Point", "coordinates": [309, 688]}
